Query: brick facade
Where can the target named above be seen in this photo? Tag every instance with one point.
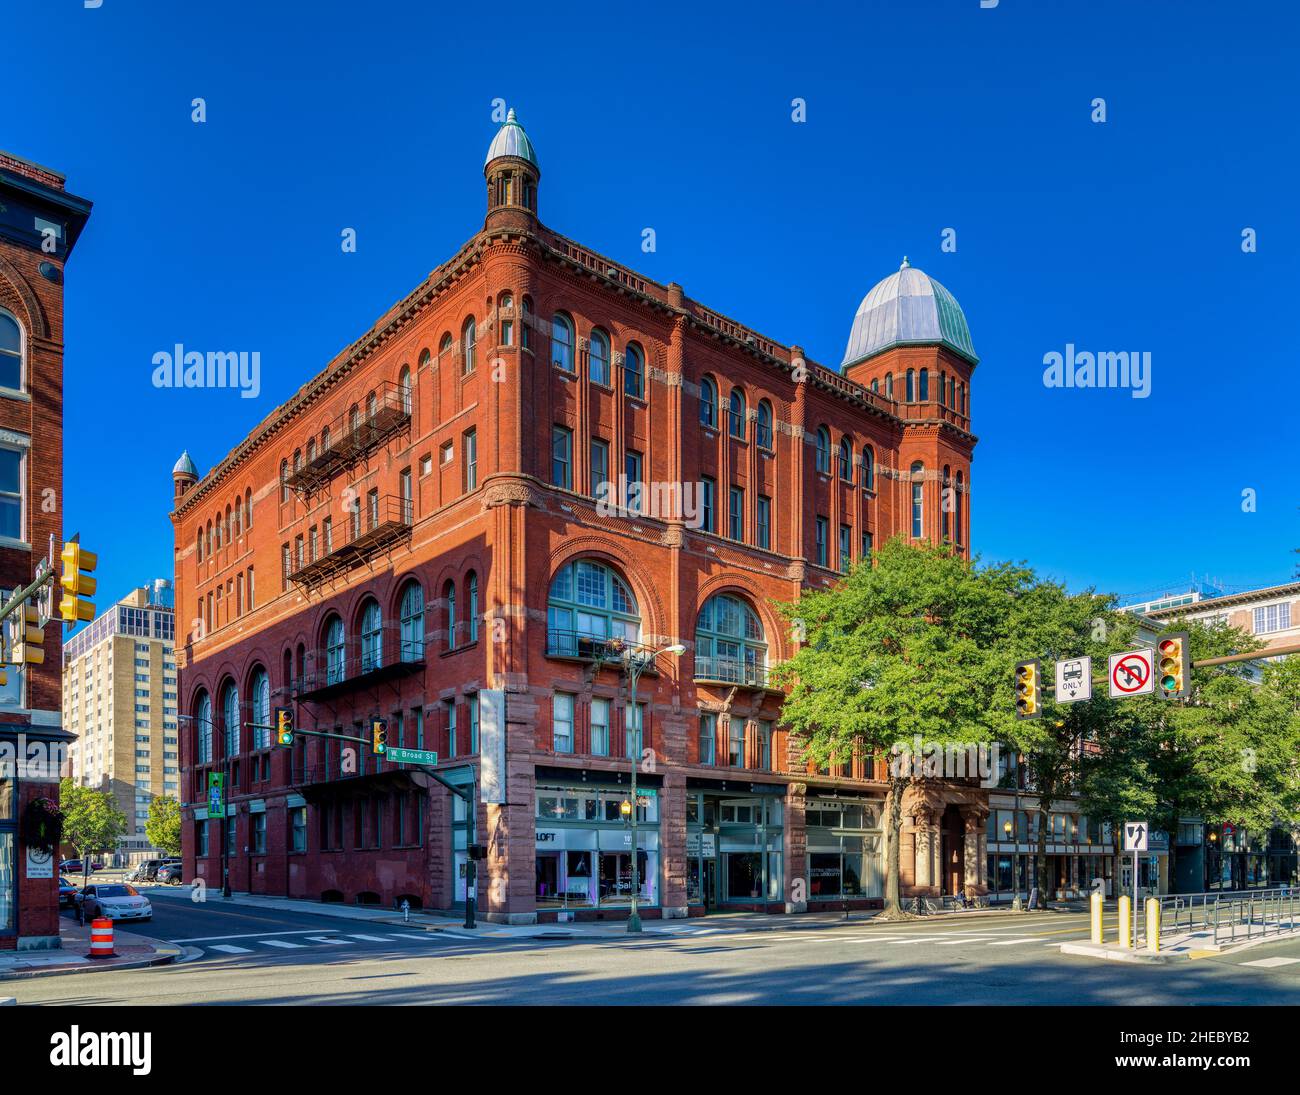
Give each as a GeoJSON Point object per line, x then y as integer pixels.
{"type": "Point", "coordinates": [403, 504]}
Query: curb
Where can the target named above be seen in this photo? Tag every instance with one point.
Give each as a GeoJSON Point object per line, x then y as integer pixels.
{"type": "Point", "coordinates": [1118, 954]}
{"type": "Point", "coordinates": [160, 957]}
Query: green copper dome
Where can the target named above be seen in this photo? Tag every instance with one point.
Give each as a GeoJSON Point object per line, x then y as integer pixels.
{"type": "Point", "coordinates": [511, 140]}
{"type": "Point", "coordinates": [908, 307]}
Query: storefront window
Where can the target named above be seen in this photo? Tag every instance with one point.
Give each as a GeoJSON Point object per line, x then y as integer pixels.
{"type": "Point", "coordinates": [844, 850]}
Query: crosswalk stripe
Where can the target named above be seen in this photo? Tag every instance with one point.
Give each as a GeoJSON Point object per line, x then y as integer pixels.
{"type": "Point", "coordinates": [1271, 963]}
{"type": "Point", "coordinates": [422, 936]}
{"type": "Point", "coordinates": [370, 938]}
{"type": "Point", "coordinates": [327, 939]}
{"type": "Point", "coordinates": [1012, 942]}
{"type": "Point", "coordinates": [280, 943]}
{"type": "Point", "coordinates": [959, 942]}
{"type": "Point", "coordinates": [227, 948]}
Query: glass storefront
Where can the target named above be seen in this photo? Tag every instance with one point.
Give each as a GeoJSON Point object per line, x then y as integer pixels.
{"type": "Point", "coordinates": [584, 848]}
{"type": "Point", "coordinates": [845, 849]}
{"type": "Point", "coordinates": [734, 848]}
{"type": "Point", "coordinates": [8, 844]}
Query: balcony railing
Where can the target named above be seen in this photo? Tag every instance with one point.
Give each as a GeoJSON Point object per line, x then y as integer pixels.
{"type": "Point", "coordinates": [360, 661]}
{"type": "Point", "coordinates": [933, 410]}
{"type": "Point", "coordinates": [351, 442]}
{"type": "Point", "coordinates": [730, 671]}
{"type": "Point", "coordinates": [375, 524]}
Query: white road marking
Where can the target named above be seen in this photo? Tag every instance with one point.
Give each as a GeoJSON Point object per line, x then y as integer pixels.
{"type": "Point", "coordinates": [327, 939]}
{"type": "Point", "coordinates": [1013, 942]}
{"type": "Point", "coordinates": [1271, 963]}
{"type": "Point", "coordinates": [280, 943]}
{"type": "Point", "coordinates": [228, 949]}
{"type": "Point", "coordinates": [959, 942]}
{"type": "Point", "coordinates": [423, 936]}
{"type": "Point", "coordinates": [246, 935]}
{"type": "Point", "coordinates": [369, 938]}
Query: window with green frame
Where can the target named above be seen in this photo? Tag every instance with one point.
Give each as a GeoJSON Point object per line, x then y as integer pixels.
{"type": "Point", "coordinates": [729, 642]}
{"type": "Point", "coordinates": [588, 603]}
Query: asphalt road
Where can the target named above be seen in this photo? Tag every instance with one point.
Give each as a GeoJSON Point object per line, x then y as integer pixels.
{"type": "Point", "coordinates": [255, 956]}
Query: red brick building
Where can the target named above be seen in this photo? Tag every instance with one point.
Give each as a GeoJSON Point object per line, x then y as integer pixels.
{"type": "Point", "coordinates": [39, 225]}
{"type": "Point", "coordinates": [444, 528]}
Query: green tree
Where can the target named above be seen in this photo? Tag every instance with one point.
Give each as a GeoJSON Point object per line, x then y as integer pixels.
{"type": "Point", "coordinates": [163, 825]}
{"type": "Point", "coordinates": [92, 821]}
{"type": "Point", "coordinates": [912, 645]}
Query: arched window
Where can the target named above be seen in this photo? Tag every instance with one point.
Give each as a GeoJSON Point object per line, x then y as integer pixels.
{"type": "Point", "coordinates": [634, 371]}
{"type": "Point", "coordinates": [958, 506]}
{"type": "Point", "coordinates": [354, 420]}
{"type": "Point", "coordinates": [589, 604]}
{"type": "Point", "coordinates": [209, 552]}
{"type": "Point", "coordinates": [911, 386]}
{"type": "Point", "coordinates": [445, 347]}
{"type": "Point", "coordinates": [198, 545]}
{"type": "Point", "coordinates": [335, 653]}
{"type": "Point", "coordinates": [425, 358]}
{"type": "Point", "coordinates": [248, 508]}
{"type": "Point", "coordinates": [217, 526]}
{"type": "Point", "coordinates": [763, 425]}
{"type": "Point", "coordinates": [889, 385]}
{"type": "Point", "coordinates": [372, 637]}
{"type": "Point", "coordinates": [945, 502]}
{"type": "Point", "coordinates": [736, 414]}
{"type": "Point", "coordinates": [562, 342]}
{"type": "Point", "coordinates": [468, 345]}
{"type": "Point", "coordinates": [404, 387]}
{"type": "Point", "coordinates": [230, 718]}
{"type": "Point", "coordinates": [284, 480]}
{"type": "Point", "coordinates": [961, 396]}
{"type": "Point", "coordinates": [506, 322]}
{"type": "Point", "coordinates": [372, 409]}
{"type": "Point", "coordinates": [598, 358]}
{"type": "Point", "coordinates": [708, 403]}
{"type": "Point", "coordinates": [311, 450]}
{"type": "Point", "coordinates": [471, 605]}
{"type": "Point", "coordinates": [875, 385]}
{"type": "Point", "coordinates": [11, 352]}
{"type": "Point", "coordinates": [729, 642]}
{"type": "Point", "coordinates": [918, 499]}
{"type": "Point", "coordinates": [846, 460]}
{"type": "Point", "coordinates": [925, 385]}
{"type": "Point", "coordinates": [943, 385]}
{"type": "Point", "coordinates": [952, 392]}
{"type": "Point", "coordinates": [203, 729]}
{"type": "Point", "coordinates": [412, 613]}
{"type": "Point", "coordinates": [823, 455]}
{"type": "Point", "coordinates": [261, 715]}
{"type": "Point", "coordinates": [449, 595]}
{"type": "Point", "coordinates": [868, 468]}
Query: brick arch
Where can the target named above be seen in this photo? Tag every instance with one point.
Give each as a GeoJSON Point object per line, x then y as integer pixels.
{"type": "Point", "coordinates": [742, 586]}
{"type": "Point", "coordinates": [252, 660]}
{"type": "Point", "coordinates": [17, 295]}
{"type": "Point", "coordinates": [608, 550]}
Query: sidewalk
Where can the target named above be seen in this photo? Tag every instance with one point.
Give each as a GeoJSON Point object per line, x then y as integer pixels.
{"type": "Point", "coordinates": [453, 923]}
{"type": "Point", "coordinates": [132, 952]}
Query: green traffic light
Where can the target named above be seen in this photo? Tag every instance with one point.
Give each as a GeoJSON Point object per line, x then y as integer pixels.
{"type": "Point", "coordinates": [1169, 684]}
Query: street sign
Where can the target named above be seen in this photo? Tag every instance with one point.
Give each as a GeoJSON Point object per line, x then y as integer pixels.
{"type": "Point", "coordinates": [1136, 834]}
{"type": "Point", "coordinates": [1073, 680]}
{"type": "Point", "coordinates": [411, 756]}
{"type": "Point", "coordinates": [216, 794]}
{"type": "Point", "coordinates": [1132, 674]}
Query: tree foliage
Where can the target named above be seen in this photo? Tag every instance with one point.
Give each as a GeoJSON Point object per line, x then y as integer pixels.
{"type": "Point", "coordinates": [163, 825]}
{"type": "Point", "coordinates": [92, 821]}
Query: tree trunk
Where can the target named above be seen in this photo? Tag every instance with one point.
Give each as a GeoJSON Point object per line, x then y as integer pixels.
{"type": "Point", "coordinates": [893, 868]}
{"type": "Point", "coordinates": [1040, 874]}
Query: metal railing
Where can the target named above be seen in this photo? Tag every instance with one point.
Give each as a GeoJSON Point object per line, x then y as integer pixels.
{"type": "Point", "coordinates": [1232, 916]}
{"type": "Point", "coordinates": [730, 671]}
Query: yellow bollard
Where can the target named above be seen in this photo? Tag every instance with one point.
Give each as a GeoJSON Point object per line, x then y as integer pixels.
{"type": "Point", "coordinates": [1098, 934]}
{"type": "Point", "coordinates": [1153, 925]}
{"type": "Point", "coordinates": [1126, 922]}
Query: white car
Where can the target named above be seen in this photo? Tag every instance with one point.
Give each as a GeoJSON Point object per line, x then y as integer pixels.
{"type": "Point", "coordinates": [115, 900]}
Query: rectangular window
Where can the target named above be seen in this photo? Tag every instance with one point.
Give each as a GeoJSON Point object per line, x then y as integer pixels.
{"type": "Point", "coordinates": [763, 746]}
{"type": "Point", "coordinates": [736, 742]}
{"type": "Point", "coordinates": [562, 457]}
{"type": "Point", "coordinates": [451, 728]}
{"type": "Point", "coordinates": [708, 516]}
{"type": "Point", "coordinates": [327, 534]}
{"type": "Point", "coordinates": [298, 828]}
{"type": "Point", "coordinates": [634, 469]}
{"type": "Point", "coordinates": [763, 528]}
{"type": "Point", "coordinates": [11, 493]}
{"type": "Point", "coordinates": [562, 722]}
{"type": "Point", "coordinates": [823, 535]}
{"type": "Point", "coordinates": [846, 548]}
{"type": "Point", "coordinates": [1272, 618]}
{"type": "Point", "coordinates": [473, 722]}
{"type": "Point", "coordinates": [469, 448]}
{"type": "Point", "coordinates": [736, 513]}
{"type": "Point", "coordinates": [600, 727]}
{"type": "Point", "coordinates": [251, 603]}
{"type": "Point", "coordinates": [201, 839]}
{"type": "Point", "coordinates": [866, 545]}
{"type": "Point", "coordinates": [259, 834]}
{"type": "Point", "coordinates": [708, 738]}
{"type": "Point", "coordinates": [634, 717]}
{"type": "Point", "coordinates": [404, 489]}
{"type": "Point", "coordinates": [286, 567]}
{"type": "Point", "coordinates": [599, 466]}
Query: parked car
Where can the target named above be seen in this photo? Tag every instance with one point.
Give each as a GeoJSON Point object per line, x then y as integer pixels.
{"type": "Point", "coordinates": [169, 873]}
{"type": "Point", "coordinates": [147, 870]}
{"type": "Point", "coordinates": [115, 900]}
{"type": "Point", "coordinates": [71, 866]}
{"type": "Point", "coordinates": [67, 892]}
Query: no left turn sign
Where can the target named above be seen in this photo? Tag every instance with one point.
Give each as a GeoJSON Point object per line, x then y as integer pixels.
{"type": "Point", "coordinates": [1132, 674]}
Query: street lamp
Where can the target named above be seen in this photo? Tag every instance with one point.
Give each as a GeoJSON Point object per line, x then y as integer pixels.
{"type": "Point", "coordinates": [635, 662]}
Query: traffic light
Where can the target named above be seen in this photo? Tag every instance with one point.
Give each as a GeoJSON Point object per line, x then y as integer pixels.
{"type": "Point", "coordinates": [379, 736]}
{"type": "Point", "coordinates": [284, 726]}
{"type": "Point", "coordinates": [1174, 669]}
{"type": "Point", "coordinates": [27, 638]}
{"type": "Point", "coordinates": [1029, 690]}
{"type": "Point", "coordinates": [77, 583]}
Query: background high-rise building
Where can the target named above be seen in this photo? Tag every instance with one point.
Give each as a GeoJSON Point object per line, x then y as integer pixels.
{"type": "Point", "coordinates": [119, 698]}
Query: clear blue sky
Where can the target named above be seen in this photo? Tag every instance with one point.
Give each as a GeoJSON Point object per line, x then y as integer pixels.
{"type": "Point", "coordinates": [920, 116]}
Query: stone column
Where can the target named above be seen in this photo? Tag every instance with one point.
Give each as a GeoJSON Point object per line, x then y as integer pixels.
{"type": "Point", "coordinates": [974, 843]}
{"type": "Point", "coordinates": [672, 845]}
{"type": "Point", "coordinates": [923, 826]}
{"type": "Point", "coordinates": [796, 849]}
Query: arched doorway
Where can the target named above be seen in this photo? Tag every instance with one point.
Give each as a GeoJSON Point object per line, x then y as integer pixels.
{"type": "Point", "coordinates": [952, 863]}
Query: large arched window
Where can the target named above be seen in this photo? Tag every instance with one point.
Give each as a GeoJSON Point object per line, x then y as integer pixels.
{"type": "Point", "coordinates": [449, 596]}
{"type": "Point", "coordinates": [959, 505]}
{"type": "Point", "coordinates": [729, 642]}
{"type": "Point", "coordinates": [846, 460]}
{"type": "Point", "coordinates": [11, 352]}
{"type": "Point", "coordinates": [911, 385]}
{"type": "Point", "coordinates": [199, 545]}
{"type": "Point", "coordinates": [471, 605]}
{"type": "Point", "coordinates": [598, 358]}
{"type": "Point", "coordinates": [868, 468]}
{"type": "Point", "coordinates": [634, 371]}
{"type": "Point", "coordinates": [889, 385]}
{"type": "Point", "coordinates": [445, 348]}
{"type": "Point", "coordinates": [736, 414]}
{"type": "Point", "coordinates": [372, 637]}
{"type": "Point", "coordinates": [468, 345]}
{"type": "Point", "coordinates": [562, 342]}
{"type": "Point", "coordinates": [412, 614]}
{"type": "Point", "coordinates": [335, 651]}
{"type": "Point", "coordinates": [506, 320]}
{"type": "Point", "coordinates": [823, 456]}
{"type": "Point", "coordinates": [918, 500]}
{"type": "Point", "coordinates": [708, 403]}
{"type": "Point", "coordinates": [248, 506]}
{"type": "Point", "coordinates": [203, 729]}
{"type": "Point", "coordinates": [589, 604]}
{"type": "Point", "coordinates": [261, 716]}
{"type": "Point", "coordinates": [284, 480]}
{"type": "Point", "coordinates": [404, 387]}
{"type": "Point", "coordinates": [230, 718]}
{"type": "Point", "coordinates": [372, 409]}
{"type": "Point", "coordinates": [354, 420]}
{"type": "Point", "coordinates": [763, 425]}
